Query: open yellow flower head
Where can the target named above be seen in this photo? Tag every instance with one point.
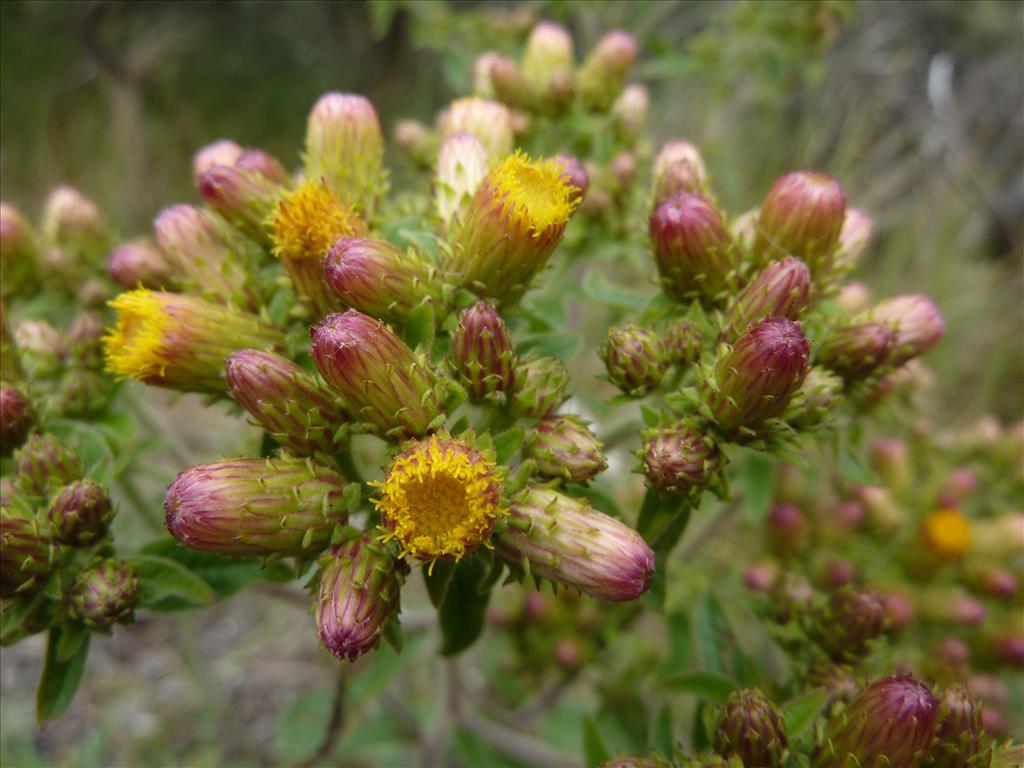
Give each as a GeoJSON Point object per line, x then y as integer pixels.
{"type": "Point", "coordinates": [440, 499]}
{"type": "Point", "coordinates": [947, 533]}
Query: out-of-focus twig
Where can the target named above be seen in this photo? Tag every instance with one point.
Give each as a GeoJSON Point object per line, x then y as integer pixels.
{"type": "Point", "coordinates": [515, 743]}
{"type": "Point", "coordinates": [334, 725]}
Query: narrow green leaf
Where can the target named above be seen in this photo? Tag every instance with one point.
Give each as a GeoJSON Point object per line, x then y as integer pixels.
{"type": "Point", "coordinates": [71, 638]}
{"type": "Point", "coordinates": [758, 485]}
{"type": "Point", "coordinates": [437, 578]}
{"type": "Point", "coordinates": [709, 686]}
{"type": "Point", "coordinates": [60, 679]}
{"type": "Point", "coordinates": [165, 585]}
{"type": "Point", "coordinates": [705, 642]}
{"type": "Point", "coordinates": [464, 607]}
{"type": "Point", "coordinates": [595, 751]}
{"type": "Point", "coordinates": [507, 443]}
{"type": "Point", "coordinates": [801, 711]}
{"type": "Point", "coordinates": [226, 575]}
{"type": "Point", "coordinates": [662, 738]}
{"type": "Point", "coordinates": [597, 287]}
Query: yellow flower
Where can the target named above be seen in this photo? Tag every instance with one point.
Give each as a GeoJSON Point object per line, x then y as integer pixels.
{"type": "Point", "coordinates": [947, 533]}
{"type": "Point", "coordinates": [537, 195]}
{"type": "Point", "coordinates": [135, 346]}
{"type": "Point", "coordinates": [439, 500]}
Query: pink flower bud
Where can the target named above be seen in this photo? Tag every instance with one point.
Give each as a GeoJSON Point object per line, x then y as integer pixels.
{"type": "Point", "coordinates": [760, 577]}
{"type": "Point", "coordinates": [849, 623]}
{"type": "Point", "coordinates": [853, 238]}
{"type": "Point", "coordinates": [890, 458]}
{"type": "Point", "coordinates": [244, 198]}
{"type": "Point", "coordinates": [918, 324]}
{"type": "Point", "coordinates": [80, 513]}
{"type": "Point", "coordinates": [853, 297]}
{"type": "Point", "coordinates": [45, 462]}
{"type": "Point", "coordinates": [679, 459]}
{"type": "Point", "coordinates": [482, 355]}
{"type": "Point", "coordinates": [605, 70]}
{"type": "Point", "coordinates": [782, 289]}
{"type": "Point", "coordinates": [17, 417]}
{"type": "Point", "coordinates": [682, 342]}
{"type": "Point", "coordinates": [752, 729]}
{"type": "Point", "coordinates": [855, 352]}
{"type": "Point", "coordinates": [787, 528]}
{"type": "Point", "coordinates": [27, 553]}
{"type": "Point", "coordinates": [678, 168]}
{"type": "Point", "coordinates": [839, 573]}
{"type": "Point", "coordinates": [489, 121]}
{"type": "Point", "coordinates": [105, 593]}
{"type": "Point", "coordinates": [140, 263]}
{"type": "Point", "coordinates": [265, 164]}
{"type": "Point", "coordinates": [565, 448]}
{"type": "Point", "coordinates": [74, 222]}
{"type": "Point", "coordinates": [899, 611]}
{"type": "Point", "coordinates": [540, 386]}
{"type": "Point", "coordinates": [634, 358]}
{"type": "Point", "coordinates": [630, 110]}
{"type": "Point", "coordinates": [960, 738]}
{"type": "Point", "coordinates": [548, 67]}
{"type": "Point", "coordinates": [220, 152]}
{"type": "Point", "coordinates": [19, 255]}
{"type": "Point", "coordinates": [574, 173]}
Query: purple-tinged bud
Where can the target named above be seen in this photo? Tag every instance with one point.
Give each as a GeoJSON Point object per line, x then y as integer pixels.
{"type": "Point", "coordinates": [890, 458]}
{"type": "Point", "coordinates": [27, 553]}
{"type": "Point", "coordinates": [417, 141]}
{"type": "Point", "coordinates": [567, 655]}
{"type": "Point", "coordinates": [489, 121]}
{"type": "Point", "coordinates": [802, 216]}
{"type": "Point", "coordinates": [947, 660]}
{"type": "Point", "coordinates": [890, 722]}
{"type": "Point", "coordinates": [634, 358]}
{"type": "Point", "coordinates": [74, 222]}
{"type": "Point", "coordinates": [563, 539]}
{"type": "Point", "coordinates": [782, 289]}
{"type": "Point", "coordinates": [42, 348]}
{"type": "Point", "coordinates": [80, 513]}
{"type": "Point", "coordinates": [565, 448]}
{"type": "Point", "coordinates": [760, 577]}
{"type": "Point", "coordinates": [855, 352]}
{"type": "Point", "coordinates": [744, 230]}
{"type": "Point", "coordinates": [548, 67]}
{"type": "Point", "coordinates": [882, 514]}
{"type": "Point", "coordinates": [220, 152]}
{"type": "Point", "coordinates": [483, 85]}
{"type": "Point", "coordinates": [508, 84]}
{"type": "Point", "coordinates": [787, 528]}
{"type": "Point", "coordinates": [461, 167]}
{"type": "Point", "coordinates": [951, 606]}
{"type": "Point", "coordinates": [265, 164]}
{"type": "Point", "coordinates": [623, 173]}
{"type": "Point", "coordinates": [82, 393]}
{"type": "Point", "coordinates": [380, 279]}
{"type": "Point", "coordinates": [1008, 756]}
{"type": "Point", "coordinates": [682, 342]}
{"type": "Point", "coordinates": [989, 689]}
{"type": "Point", "coordinates": [995, 582]}
{"type": "Point", "coordinates": [44, 462]}
{"type": "Point", "coordinates": [679, 459]}
{"type": "Point", "coordinates": [244, 198]}
{"type": "Point", "coordinates": [847, 625]}
{"type": "Point", "coordinates": [358, 594]}
{"type": "Point", "coordinates": [791, 597]}
{"type": "Point", "coordinates": [105, 593]}
{"type": "Point", "coordinates": [836, 679]}
{"type": "Point", "coordinates": [960, 738]}
{"type": "Point", "coordinates": [899, 610]}
{"type": "Point", "coordinates": [678, 168]}
{"type": "Point", "coordinates": [853, 297]}
{"type": "Point", "coordinates": [540, 385]}
{"type": "Point", "coordinates": [381, 380]}
{"type": "Point", "coordinates": [815, 400]}
{"type": "Point", "coordinates": [575, 173]}
{"type": "Point", "coordinates": [753, 380]}
{"type": "Point", "coordinates": [751, 728]}
{"type": "Point", "coordinates": [853, 238]}
{"type": "Point", "coordinates": [960, 483]}
{"type": "Point", "coordinates": [918, 324]}
{"type": "Point", "coordinates": [19, 256]}
{"type": "Point", "coordinates": [140, 263]}
{"type": "Point", "coordinates": [694, 251]}
{"type": "Point", "coordinates": [630, 109]}
{"type": "Point", "coordinates": [605, 70]}
{"type": "Point", "coordinates": [256, 506]}
{"type": "Point", "coordinates": [17, 417]}
{"type": "Point", "coordinates": [482, 356]}
{"type": "Point", "coordinates": [345, 149]}
{"type": "Point", "coordinates": [85, 341]}
{"type": "Point", "coordinates": [291, 404]}
{"type": "Point", "coordinates": [839, 573]}
{"type": "Point", "coordinates": [1010, 650]}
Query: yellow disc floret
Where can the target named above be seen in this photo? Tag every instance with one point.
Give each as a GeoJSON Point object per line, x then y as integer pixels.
{"type": "Point", "coordinates": [947, 533]}
{"type": "Point", "coordinates": [536, 193]}
{"type": "Point", "coordinates": [307, 221]}
{"type": "Point", "coordinates": [439, 500]}
{"type": "Point", "coordinates": [135, 346]}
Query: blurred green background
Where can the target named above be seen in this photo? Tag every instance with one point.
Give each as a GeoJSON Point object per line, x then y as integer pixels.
{"type": "Point", "coordinates": [915, 106]}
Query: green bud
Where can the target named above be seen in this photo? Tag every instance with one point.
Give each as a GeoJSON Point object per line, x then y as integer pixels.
{"type": "Point", "coordinates": [751, 728]}
{"type": "Point", "coordinates": [27, 554]}
{"type": "Point", "coordinates": [635, 359]}
{"type": "Point", "coordinates": [45, 462]}
{"type": "Point", "coordinates": [540, 386]}
{"type": "Point", "coordinates": [80, 513]}
{"type": "Point", "coordinates": [565, 448]}
{"type": "Point", "coordinates": [845, 627]}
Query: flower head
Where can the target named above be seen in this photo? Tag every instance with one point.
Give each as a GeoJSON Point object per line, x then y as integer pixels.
{"type": "Point", "coordinates": [540, 385]}
{"type": "Point", "coordinates": [605, 70]}
{"type": "Point", "coordinates": [947, 533]}
{"type": "Point", "coordinates": [679, 459]}
{"type": "Point", "coordinates": [80, 513]}
{"type": "Point", "coordinates": [489, 121]}
{"type": "Point", "coordinates": [917, 321]}
{"type": "Point", "coordinates": [856, 351]}
{"type": "Point", "coordinates": [461, 166]}
{"type": "Point", "coordinates": [243, 197]}
{"type": "Point", "coordinates": [17, 417]}
{"type": "Point", "coordinates": [564, 447]}
{"type": "Point", "coordinates": [634, 358]}
{"type": "Point", "coordinates": [440, 499]}
{"type": "Point", "coordinates": [482, 354]}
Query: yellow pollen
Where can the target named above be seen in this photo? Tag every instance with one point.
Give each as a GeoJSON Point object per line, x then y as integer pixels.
{"type": "Point", "coordinates": [947, 533]}
{"type": "Point", "coordinates": [134, 347]}
{"type": "Point", "coordinates": [439, 499]}
{"type": "Point", "coordinates": [305, 223]}
{"type": "Point", "coordinates": [537, 193]}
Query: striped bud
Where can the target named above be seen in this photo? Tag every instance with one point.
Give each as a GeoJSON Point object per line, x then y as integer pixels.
{"type": "Point", "coordinates": [80, 513]}
{"type": "Point", "coordinates": [379, 378]}
{"type": "Point", "coordinates": [483, 85]}
{"type": "Point", "coordinates": [17, 417]}
{"type": "Point", "coordinates": [508, 84]}
{"type": "Point", "coordinates": [482, 355]}
{"type": "Point", "coordinates": [44, 462]}
{"type": "Point", "coordinates": [358, 594]}
{"type": "Point", "coordinates": [678, 168]}
{"type": "Point", "coordinates": [416, 141]}
{"type": "Point", "coordinates": [960, 738]}
{"type": "Point", "coordinates": [105, 593]}
{"type": "Point", "coordinates": [629, 111]}
{"type": "Point", "coordinates": [679, 459]}
{"type": "Point", "coordinates": [682, 342]}
{"type": "Point", "coordinates": [140, 263]}
{"type": "Point", "coordinates": [291, 404]}
{"type": "Point", "coordinates": [855, 352]}
{"type": "Point", "coordinates": [565, 448]}
{"type": "Point", "coordinates": [744, 230]}
{"type": "Point", "coordinates": [19, 255]}
{"type": "Point", "coordinates": [751, 728]}
{"type": "Point", "coordinates": [853, 238]}
{"type": "Point", "coordinates": [540, 386]}
{"type": "Point", "coordinates": [634, 358]}
{"type": "Point", "coordinates": [782, 289]}
{"type": "Point", "coordinates": [489, 121]}
{"type": "Point", "coordinates": [244, 198]}
{"type": "Point", "coordinates": [918, 324]}
{"type": "Point", "coordinates": [890, 458]}
{"type": "Point", "coordinates": [461, 166]}
{"type": "Point", "coordinates": [256, 506]}
{"type": "Point", "coordinates": [563, 539]}
{"type": "Point", "coordinates": [847, 625]}
{"type": "Point", "coordinates": [219, 152]}
{"type": "Point", "coordinates": [74, 223]}
{"type": "Point", "coordinates": [27, 553]}
{"type": "Point", "coordinates": [263, 163]}
{"type": "Point", "coordinates": [605, 70]}
{"type": "Point", "coordinates": [548, 62]}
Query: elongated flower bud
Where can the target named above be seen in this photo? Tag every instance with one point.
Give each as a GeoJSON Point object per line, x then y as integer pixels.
{"type": "Point", "coordinates": [630, 111]}
{"type": "Point", "coordinates": [918, 324]}
{"type": "Point", "coordinates": [815, 400]}
{"type": "Point", "coordinates": [27, 553]}
{"type": "Point", "coordinates": [483, 85]}
{"type": "Point", "coordinates": [85, 341]}
{"type": "Point", "coordinates": [547, 67]}
{"type": "Point", "coordinates": [513, 224]}
{"type": "Point", "coordinates": [563, 539]}
{"type": "Point", "coordinates": [565, 448]}
{"type": "Point", "coordinates": [263, 163]}
{"type": "Point", "coordinates": [74, 223]}
{"type": "Point", "coordinates": [140, 264]}
{"type": "Point", "coordinates": [850, 621]}
{"type": "Point", "coordinates": [417, 141]}
{"type": "Point", "coordinates": [42, 348]}
{"type": "Point", "coordinates": [752, 729]}
{"type": "Point", "coordinates": [890, 722]}
{"type": "Point", "coordinates": [245, 198]}
{"type": "Point", "coordinates": [17, 417]}
{"type": "Point", "coordinates": [380, 279]}
{"type": "Point", "coordinates": [461, 166]}
{"type": "Point", "coordinates": [19, 256]}
{"type": "Point", "coordinates": [678, 168]}
{"type": "Point", "coordinates": [960, 738]}
{"type": "Point", "coordinates": [105, 593]}
{"type": "Point", "coordinates": [855, 352]}
{"type": "Point", "coordinates": [219, 152]}
{"type": "Point", "coordinates": [853, 238]}
{"type": "Point", "coordinates": [540, 386]}
{"type": "Point", "coordinates": [489, 121]}
{"type": "Point", "coordinates": [753, 380]}
{"type": "Point", "coordinates": [634, 358]}
{"type": "Point", "coordinates": [380, 379]}
{"type": "Point", "coordinates": [255, 506]}
{"type": "Point", "coordinates": [802, 216]}
{"type": "Point", "coordinates": [358, 594]}
{"type": "Point", "coordinates": [890, 458]}
{"type": "Point", "coordinates": [782, 289]}
{"type": "Point", "coordinates": [605, 71]}
{"type": "Point", "coordinates": [508, 84]}
{"type": "Point", "coordinates": [44, 462]}
{"type": "Point", "coordinates": [694, 251]}
{"type": "Point", "coordinates": [853, 297]}
{"type": "Point", "coordinates": [291, 404]}
{"type": "Point", "coordinates": [679, 459]}
{"type": "Point", "coordinates": [304, 226]}
{"type": "Point", "coordinates": [682, 342]}
{"type": "Point", "coordinates": [787, 528]}
{"type": "Point", "coordinates": [482, 355]}
{"type": "Point", "coordinates": [178, 342]}
{"type": "Point", "coordinates": [80, 513]}
{"type": "Point", "coordinates": [345, 150]}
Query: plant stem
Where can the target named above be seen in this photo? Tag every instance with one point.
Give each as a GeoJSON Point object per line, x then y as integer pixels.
{"type": "Point", "coordinates": [334, 725]}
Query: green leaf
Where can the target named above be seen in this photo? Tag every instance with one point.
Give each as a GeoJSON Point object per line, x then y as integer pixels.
{"type": "Point", "coordinates": [507, 443]}
{"type": "Point", "coordinates": [597, 287]}
{"type": "Point", "coordinates": [437, 577]}
{"type": "Point", "coordinates": [226, 575]}
{"type": "Point", "coordinates": [595, 751]}
{"type": "Point", "coordinates": [801, 711]}
{"type": "Point", "coordinates": [393, 635]}
{"type": "Point", "coordinates": [165, 585]}
{"type": "Point", "coordinates": [419, 328]}
{"type": "Point", "coordinates": [60, 679]}
{"type": "Point", "coordinates": [709, 686]}
{"type": "Point", "coordinates": [71, 638]}
{"type": "Point", "coordinates": [464, 607]}
{"type": "Point", "coordinates": [705, 641]}
{"type": "Point", "coordinates": [560, 345]}
{"type": "Point", "coordinates": [662, 739]}
{"type": "Point", "coordinates": [758, 485]}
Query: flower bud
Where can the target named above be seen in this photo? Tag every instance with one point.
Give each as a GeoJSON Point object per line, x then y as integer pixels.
{"type": "Point", "coordinates": [802, 216]}
{"type": "Point", "coordinates": [694, 251]}
{"type": "Point", "coordinates": [483, 85]}
{"type": "Point", "coordinates": [1010, 650]}
{"type": "Point", "coordinates": [603, 74]}
{"type": "Point", "coordinates": [899, 611]}
{"type": "Point", "coordinates": [855, 352]}
{"type": "Point", "coordinates": [489, 121]}
{"type": "Point", "coordinates": [359, 593]}
{"type": "Point", "coordinates": [80, 513]}
{"type": "Point", "coordinates": [563, 539]}
{"type": "Point", "coordinates": [256, 506]}
{"type": "Point", "coordinates": [244, 198]}
{"type": "Point", "coordinates": [263, 163]}
{"type": "Point", "coordinates": [74, 222]}
{"type": "Point", "coordinates": [17, 417]}
{"type": "Point", "coordinates": [760, 577]}
{"type": "Point", "coordinates": [853, 238]}
{"type": "Point", "coordinates": [85, 341]}
{"type": "Point", "coordinates": [791, 597]}
{"type": "Point", "coordinates": [44, 462]}
{"type": "Point", "coordinates": [744, 230]}
{"type": "Point", "coordinates": [565, 448]}
{"type": "Point", "coordinates": [547, 67]}
{"type": "Point", "coordinates": [629, 111]}
{"type": "Point", "coordinates": [853, 297]}
{"type": "Point", "coordinates": [482, 355]}
{"type": "Point", "coordinates": [890, 722]}
{"type": "Point", "coordinates": [345, 150]}
{"type": "Point", "coordinates": [417, 141]}
{"type": "Point", "coordinates": [679, 459]}
{"type": "Point", "coordinates": [917, 322]}
{"type": "Point", "coordinates": [682, 342]}
{"type": "Point", "coordinates": [508, 84]}
{"type": "Point", "coordinates": [634, 358]}
{"type": "Point", "coordinates": [787, 528]}
{"type": "Point", "coordinates": [959, 484]}
{"type": "Point", "coordinates": [105, 593]}
{"type": "Point", "coordinates": [540, 386]}
{"type": "Point", "coordinates": [946, 533]}
{"type": "Point", "coordinates": [679, 168]}
{"type": "Point", "coordinates": [380, 279]}
{"type": "Point", "coordinates": [82, 393]}
{"type": "Point", "coordinates": [575, 173]}
{"type": "Point", "coordinates": [179, 342]}
{"type": "Point", "coordinates": [19, 257]}
{"type": "Point", "coordinates": [960, 739]}
{"type": "Point", "coordinates": [815, 400]}
{"type": "Point", "coordinates": [951, 606]}
{"type": "Point", "coordinates": [994, 582]}
{"type": "Point", "coordinates": [27, 554]}
{"type": "Point", "coordinates": [880, 511]}
{"type": "Point", "coordinates": [380, 379]}
{"type": "Point", "coordinates": [751, 728]}
{"type": "Point", "coordinates": [220, 152]}
{"type": "Point", "coordinates": [850, 621]}
{"type": "Point", "coordinates": [140, 264]}
{"type": "Point", "coordinates": [753, 380]}
{"type": "Point", "coordinates": [782, 289]}
{"type": "Point", "coordinates": [291, 404]}
{"type": "Point", "coordinates": [1000, 536]}
{"type": "Point", "coordinates": [839, 573]}
{"type": "Point", "coordinates": [890, 458]}
{"type": "Point", "coordinates": [42, 348]}
{"type": "Point", "coordinates": [461, 166]}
